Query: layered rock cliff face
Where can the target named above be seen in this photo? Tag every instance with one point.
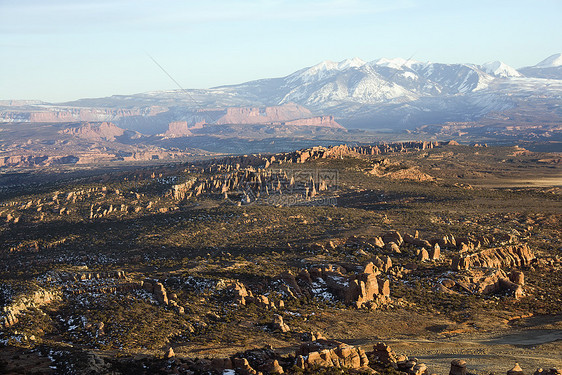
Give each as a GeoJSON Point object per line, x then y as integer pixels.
{"type": "Point", "coordinates": [323, 121]}
{"type": "Point", "coordinates": [178, 129]}
{"type": "Point", "coordinates": [95, 131]}
{"type": "Point", "coordinates": [288, 114]}
{"type": "Point", "coordinates": [256, 115]}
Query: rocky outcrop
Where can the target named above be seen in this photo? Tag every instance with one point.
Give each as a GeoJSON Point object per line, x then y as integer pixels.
{"type": "Point", "coordinates": [169, 353]}
{"type": "Point", "coordinates": [483, 282]}
{"type": "Point", "coordinates": [393, 236]}
{"type": "Point", "coordinates": [422, 255]}
{"type": "Point", "coordinates": [327, 353]}
{"type": "Point", "coordinates": [157, 289]}
{"type": "Point", "coordinates": [384, 355]}
{"type": "Point", "coordinates": [243, 296]}
{"type": "Point", "coordinates": [403, 173]}
{"type": "Point", "coordinates": [516, 370]}
{"type": "Point", "coordinates": [318, 121]}
{"type": "Point", "coordinates": [95, 131]}
{"type": "Point", "coordinates": [499, 257]}
{"type": "Point", "coordinates": [458, 367]}
{"type": "Point", "coordinates": [177, 129]}
{"type": "Point", "coordinates": [287, 114]}
{"type": "Point", "coordinates": [242, 367]}
{"type": "Point", "coordinates": [552, 371]}
{"type": "Point", "coordinates": [35, 299]}
{"type": "Point", "coordinates": [278, 324]}
{"type": "Point", "coordinates": [414, 240]}
{"type": "Point", "coordinates": [368, 288]}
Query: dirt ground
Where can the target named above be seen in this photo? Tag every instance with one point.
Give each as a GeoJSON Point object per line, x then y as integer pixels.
{"type": "Point", "coordinates": [489, 343]}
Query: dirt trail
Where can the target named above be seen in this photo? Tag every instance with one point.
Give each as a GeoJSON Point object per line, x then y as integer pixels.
{"type": "Point", "coordinates": [519, 183]}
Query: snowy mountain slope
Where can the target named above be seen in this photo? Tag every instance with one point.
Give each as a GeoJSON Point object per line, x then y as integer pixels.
{"type": "Point", "coordinates": [500, 69]}
{"type": "Point", "coordinates": [551, 61]}
{"type": "Point", "coordinates": [550, 68]}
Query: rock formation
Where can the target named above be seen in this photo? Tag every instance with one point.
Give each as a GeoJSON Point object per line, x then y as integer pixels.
{"type": "Point", "coordinates": [499, 257]}
{"type": "Point", "coordinates": [458, 367]}
{"type": "Point", "coordinates": [483, 282]}
{"type": "Point", "coordinates": [177, 129]}
{"type": "Point", "coordinates": [278, 324]}
{"type": "Point", "coordinates": [287, 114]}
{"type": "Point", "coordinates": [367, 288]}
{"type": "Point", "coordinates": [35, 299]}
{"type": "Point", "coordinates": [326, 353]}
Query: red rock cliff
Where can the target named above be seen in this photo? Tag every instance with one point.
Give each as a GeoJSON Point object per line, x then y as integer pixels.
{"type": "Point", "coordinates": [287, 114]}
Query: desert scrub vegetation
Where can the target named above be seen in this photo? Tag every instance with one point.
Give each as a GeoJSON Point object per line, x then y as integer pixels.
{"type": "Point", "coordinates": [127, 323]}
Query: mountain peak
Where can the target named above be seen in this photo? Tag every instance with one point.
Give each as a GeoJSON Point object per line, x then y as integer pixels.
{"type": "Point", "coordinates": [327, 68]}
{"type": "Point", "coordinates": [325, 65]}
{"type": "Point", "coordinates": [354, 62]}
{"type": "Point", "coordinates": [500, 69]}
{"type": "Point", "coordinates": [396, 63]}
{"type": "Point", "coordinates": [551, 61]}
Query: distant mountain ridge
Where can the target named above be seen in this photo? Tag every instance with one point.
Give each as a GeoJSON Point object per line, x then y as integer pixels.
{"type": "Point", "coordinates": [384, 93]}
{"type": "Point", "coordinates": [550, 68]}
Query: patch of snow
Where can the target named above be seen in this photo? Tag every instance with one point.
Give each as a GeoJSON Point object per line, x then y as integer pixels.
{"type": "Point", "coordinates": [409, 75]}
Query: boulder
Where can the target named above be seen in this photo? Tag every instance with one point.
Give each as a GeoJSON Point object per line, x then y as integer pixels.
{"type": "Point", "coordinates": [289, 279]}
{"type": "Point", "coordinates": [221, 364]}
{"type": "Point", "coordinates": [458, 367]}
{"type": "Point", "coordinates": [419, 369]}
{"type": "Point", "coordinates": [169, 353]}
{"type": "Point", "coordinates": [423, 255]}
{"type": "Point", "coordinates": [435, 252]}
{"type": "Point", "coordinates": [242, 366]}
{"type": "Point", "coordinates": [516, 370]}
{"type": "Point", "coordinates": [272, 367]}
{"type": "Point", "coordinates": [378, 242]}
{"type": "Point", "coordinates": [517, 277]}
{"type": "Point", "coordinates": [392, 247]}
{"type": "Point", "coordinates": [280, 325]}
{"type": "Point", "coordinates": [393, 236]}
{"type": "Point", "coordinates": [160, 293]}
{"type": "Point", "coordinates": [384, 354]}
{"type": "Point", "coordinates": [384, 287]}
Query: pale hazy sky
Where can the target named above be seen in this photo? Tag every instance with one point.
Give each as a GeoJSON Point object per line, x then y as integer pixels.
{"type": "Point", "coordinates": [60, 50]}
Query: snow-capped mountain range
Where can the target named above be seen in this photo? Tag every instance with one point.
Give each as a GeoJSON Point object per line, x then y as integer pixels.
{"type": "Point", "coordinates": [354, 81]}
{"type": "Point", "coordinates": [384, 93]}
